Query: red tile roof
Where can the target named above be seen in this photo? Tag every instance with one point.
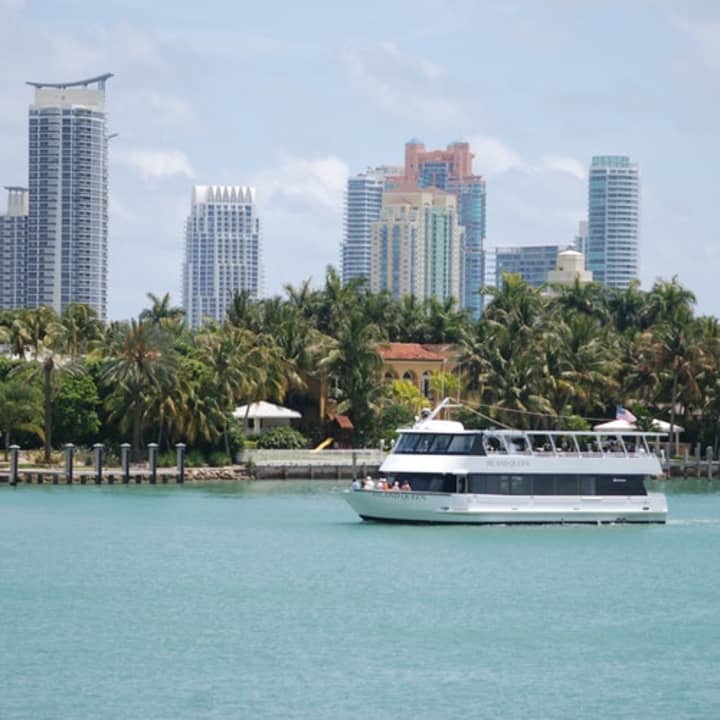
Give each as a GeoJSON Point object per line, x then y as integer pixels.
{"type": "Point", "coordinates": [343, 422]}
{"type": "Point", "coordinates": [408, 351]}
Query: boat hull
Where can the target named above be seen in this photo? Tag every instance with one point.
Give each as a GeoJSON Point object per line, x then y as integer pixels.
{"type": "Point", "coordinates": [469, 509]}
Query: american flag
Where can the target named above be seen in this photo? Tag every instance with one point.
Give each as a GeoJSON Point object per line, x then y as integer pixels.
{"type": "Point", "coordinates": [622, 414]}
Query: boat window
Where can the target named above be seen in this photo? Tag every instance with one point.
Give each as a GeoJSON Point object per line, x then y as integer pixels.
{"type": "Point", "coordinates": [440, 444]}
{"type": "Point", "coordinates": [520, 484]}
{"type": "Point", "coordinates": [462, 444]}
{"type": "Point", "coordinates": [424, 443]}
{"type": "Point", "coordinates": [517, 444]}
{"type": "Point", "coordinates": [626, 485]}
{"type": "Point", "coordinates": [498, 484]}
{"type": "Point", "coordinates": [543, 485]}
{"type": "Point", "coordinates": [587, 485]}
{"type": "Point", "coordinates": [492, 444]}
{"type": "Point", "coordinates": [407, 443]}
{"type": "Point", "coordinates": [477, 483]}
{"type": "Point", "coordinates": [566, 485]}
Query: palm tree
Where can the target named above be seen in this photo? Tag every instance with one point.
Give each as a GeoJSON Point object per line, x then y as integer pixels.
{"type": "Point", "coordinates": [49, 341]}
{"type": "Point", "coordinates": [139, 366]}
{"type": "Point", "coordinates": [161, 312]}
{"type": "Point", "coordinates": [20, 409]}
{"type": "Point", "coordinates": [355, 364]}
{"type": "Point", "coordinates": [443, 321]}
{"type": "Point", "coordinates": [83, 330]}
{"type": "Point", "coordinates": [235, 368]}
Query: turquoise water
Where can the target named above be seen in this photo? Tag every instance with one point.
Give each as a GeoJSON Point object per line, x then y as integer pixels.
{"type": "Point", "coordinates": [271, 600]}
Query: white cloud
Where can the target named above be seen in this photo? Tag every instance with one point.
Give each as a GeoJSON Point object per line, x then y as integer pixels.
{"type": "Point", "coordinates": [492, 156]}
{"type": "Point", "coordinates": [428, 69]}
{"type": "Point", "coordinates": [705, 38]}
{"type": "Point", "coordinates": [319, 181]}
{"type": "Point", "coordinates": [300, 203]}
{"type": "Point", "coordinates": [154, 163]}
{"type": "Point", "coordinates": [403, 86]}
{"type": "Point", "coordinates": [564, 164]}
{"type": "Point", "coordinates": [11, 6]}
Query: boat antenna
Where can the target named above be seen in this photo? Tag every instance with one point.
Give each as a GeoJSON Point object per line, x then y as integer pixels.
{"type": "Point", "coordinates": [446, 403]}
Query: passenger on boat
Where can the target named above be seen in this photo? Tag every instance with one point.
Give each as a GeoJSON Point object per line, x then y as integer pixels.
{"type": "Point", "coordinates": [356, 484]}
{"type": "Point", "coordinates": [368, 484]}
{"type": "Point", "coordinates": [405, 487]}
{"type": "Point", "coordinates": [381, 484]}
{"type": "Point", "coordinates": [395, 486]}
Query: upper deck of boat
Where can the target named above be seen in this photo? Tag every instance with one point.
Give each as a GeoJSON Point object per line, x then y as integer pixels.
{"type": "Point", "coordinates": [447, 437]}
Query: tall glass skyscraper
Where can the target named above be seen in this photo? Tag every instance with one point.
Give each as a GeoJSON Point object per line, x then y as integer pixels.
{"type": "Point", "coordinates": [416, 245]}
{"type": "Point", "coordinates": [68, 196]}
{"type": "Point", "coordinates": [532, 262]}
{"type": "Point", "coordinates": [222, 251]}
{"type": "Point", "coordinates": [612, 245]}
{"type": "Point", "coordinates": [451, 170]}
{"type": "Point", "coordinates": [363, 200]}
{"type": "Point", "coordinates": [13, 242]}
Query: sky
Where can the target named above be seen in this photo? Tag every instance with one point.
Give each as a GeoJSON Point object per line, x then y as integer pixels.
{"type": "Point", "coordinates": [291, 98]}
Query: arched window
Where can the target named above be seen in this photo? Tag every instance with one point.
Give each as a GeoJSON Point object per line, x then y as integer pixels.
{"type": "Point", "coordinates": [426, 383]}
{"type": "Point", "coordinates": [410, 377]}
{"type": "Point", "coordinates": [389, 377]}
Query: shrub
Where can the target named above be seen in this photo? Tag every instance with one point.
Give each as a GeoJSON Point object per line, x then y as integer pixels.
{"type": "Point", "coordinates": [194, 459]}
{"type": "Point", "coordinates": [218, 459]}
{"type": "Point", "coordinates": [282, 438]}
{"type": "Point", "coordinates": [167, 459]}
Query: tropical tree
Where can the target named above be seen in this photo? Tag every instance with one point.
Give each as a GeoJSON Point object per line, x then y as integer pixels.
{"type": "Point", "coordinates": [355, 365]}
{"type": "Point", "coordinates": [82, 330]}
{"type": "Point", "coordinates": [20, 409]}
{"type": "Point", "coordinates": [161, 312]}
{"type": "Point", "coordinates": [139, 366]}
{"type": "Point", "coordinates": [50, 358]}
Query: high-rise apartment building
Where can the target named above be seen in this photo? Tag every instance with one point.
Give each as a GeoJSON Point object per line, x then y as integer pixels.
{"type": "Point", "coordinates": [580, 239]}
{"type": "Point", "coordinates": [417, 245]}
{"type": "Point", "coordinates": [222, 251]}
{"type": "Point", "coordinates": [612, 247]}
{"type": "Point", "coordinates": [67, 228]}
{"type": "Point", "coordinates": [13, 240]}
{"type": "Point", "coordinates": [363, 201]}
{"type": "Point", "coordinates": [532, 262]}
{"type": "Point", "coordinates": [451, 170]}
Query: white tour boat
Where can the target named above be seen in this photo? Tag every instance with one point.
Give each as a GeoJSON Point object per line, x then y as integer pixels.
{"type": "Point", "coordinates": [514, 477]}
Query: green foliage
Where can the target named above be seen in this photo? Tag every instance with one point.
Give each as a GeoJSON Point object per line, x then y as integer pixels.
{"type": "Point", "coordinates": [282, 438]}
{"type": "Point", "coordinates": [389, 420]}
{"type": "Point", "coordinates": [20, 409]}
{"type": "Point", "coordinates": [235, 436]}
{"type": "Point", "coordinates": [471, 420]}
{"type": "Point", "coordinates": [218, 458]}
{"type": "Point", "coordinates": [407, 395]}
{"type": "Point", "coordinates": [167, 459]}
{"type": "Point", "coordinates": [75, 410]}
{"type": "Point", "coordinates": [574, 423]}
{"type": "Point", "coordinates": [194, 459]}
{"type": "Point", "coordinates": [528, 362]}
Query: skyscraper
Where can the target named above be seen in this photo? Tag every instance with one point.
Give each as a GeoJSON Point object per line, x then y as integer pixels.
{"type": "Point", "coordinates": [13, 240]}
{"type": "Point", "coordinates": [68, 195]}
{"type": "Point", "coordinates": [417, 244]}
{"type": "Point", "coordinates": [222, 251]}
{"type": "Point", "coordinates": [612, 246]}
{"type": "Point", "coordinates": [532, 262]}
{"type": "Point", "coordinates": [363, 200]}
{"type": "Point", "coordinates": [451, 170]}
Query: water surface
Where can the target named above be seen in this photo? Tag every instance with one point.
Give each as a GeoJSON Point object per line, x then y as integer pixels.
{"type": "Point", "coordinates": [272, 600]}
